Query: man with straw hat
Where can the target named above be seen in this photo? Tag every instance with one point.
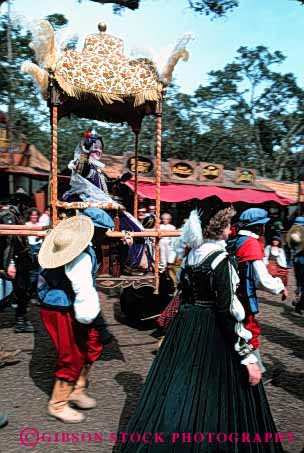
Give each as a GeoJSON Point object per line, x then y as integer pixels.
{"type": "Point", "coordinates": [71, 313]}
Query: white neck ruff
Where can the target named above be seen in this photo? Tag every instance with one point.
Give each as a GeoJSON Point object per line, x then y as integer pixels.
{"type": "Point", "coordinates": [197, 255]}
{"type": "Point", "coordinates": [96, 162]}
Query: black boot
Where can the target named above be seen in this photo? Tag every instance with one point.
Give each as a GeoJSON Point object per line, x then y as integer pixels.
{"type": "Point", "coordinates": [105, 335]}
{"type": "Point", "coordinates": [298, 309]}
{"type": "Point", "coordinates": [299, 306]}
{"type": "Point", "coordinates": [23, 326]}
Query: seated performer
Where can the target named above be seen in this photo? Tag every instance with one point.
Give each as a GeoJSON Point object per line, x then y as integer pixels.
{"type": "Point", "coordinates": [70, 312]}
{"type": "Point", "coordinates": [88, 183]}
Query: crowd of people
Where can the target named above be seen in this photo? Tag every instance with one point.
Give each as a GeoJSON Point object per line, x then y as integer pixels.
{"type": "Point", "coordinates": [208, 370]}
{"type": "Point", "coordinates": [18, 255]}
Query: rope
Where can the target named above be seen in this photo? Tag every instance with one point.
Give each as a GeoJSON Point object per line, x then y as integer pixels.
{"type": "Point", "coordinates": [157, 198]}
{"type": "Point", "coordinates": [135, 208]}
{"type": "Point", "coordinates": [54, 162]}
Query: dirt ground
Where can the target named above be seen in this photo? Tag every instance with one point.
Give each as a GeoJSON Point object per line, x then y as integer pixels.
{"type": "Point", "coordinates": [117, 380]}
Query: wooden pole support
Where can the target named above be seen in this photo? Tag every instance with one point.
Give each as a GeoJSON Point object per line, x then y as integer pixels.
{"type": "Point", "coordinates": [157, 197]}
{"type": "Point", "coordinates": [54, 164]}
{"type": "Point", "coordinates": [143, 234]}
{"type": "Point", "coordinates": [135, 207]}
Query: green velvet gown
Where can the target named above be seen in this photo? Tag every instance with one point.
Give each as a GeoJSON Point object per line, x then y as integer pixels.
{"type": "Point", "coordinates": [196, 384]}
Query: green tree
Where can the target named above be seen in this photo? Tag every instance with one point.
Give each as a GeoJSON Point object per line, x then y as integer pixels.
{"type": "Point", "coordinates": [30, 112]}
{"type": "Point", "coordinates": [216, 8]}
{"type": "Point", "coordinates": [252, 114]}
{"type": "Point", "coordinates": [57, 21]}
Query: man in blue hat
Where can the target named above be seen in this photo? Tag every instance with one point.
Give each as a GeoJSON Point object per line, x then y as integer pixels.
{"type": "Point", "coordinates": [299, 220]}
{"type": "Point", "coordinates": [253, 272]}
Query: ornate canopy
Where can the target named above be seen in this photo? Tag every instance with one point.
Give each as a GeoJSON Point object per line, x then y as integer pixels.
{"type": "Point", "coordinates": [100, 82]}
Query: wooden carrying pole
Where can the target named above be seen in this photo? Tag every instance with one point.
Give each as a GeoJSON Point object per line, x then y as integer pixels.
{"type": "Point", "coordinates": [142, 234]}
{"type": "Point", "coordinates": [54, 164]}
{"type": "Point", "coordinates": [157, 197]}
{"type": "Point", "coordinates": [135, 207]}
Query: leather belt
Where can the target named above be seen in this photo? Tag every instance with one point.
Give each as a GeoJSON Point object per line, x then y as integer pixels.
{"type": "Point", "coordinates": [204, 303]}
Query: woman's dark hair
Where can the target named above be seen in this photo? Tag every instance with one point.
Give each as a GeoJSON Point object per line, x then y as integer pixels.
{"type": "Point", "coordinates": [276, 238]}
{"type": "Point", "coordinates": [218, 223]}
{"type": "Point", "coordinates": [89, 140]}
{"type": "Point", "coordinates": [30, 212]}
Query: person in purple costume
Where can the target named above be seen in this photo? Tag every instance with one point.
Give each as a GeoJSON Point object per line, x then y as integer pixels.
{"type": "Point", "coordinates": [89, 183]}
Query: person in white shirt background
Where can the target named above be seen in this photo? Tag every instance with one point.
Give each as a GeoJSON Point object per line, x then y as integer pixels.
{"type": "Point", "coordinates": [165, 242]}
{"type": "Point", "coordinates": [275, 260]}
{"type": "Point", "coordinates": [45, 218]}
{"type": "Point", "coordinates": [33, 219]}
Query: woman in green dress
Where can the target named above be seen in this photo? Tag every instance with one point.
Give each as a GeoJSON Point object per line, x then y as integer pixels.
{"type": "Point", "coordinates": [204, 392]}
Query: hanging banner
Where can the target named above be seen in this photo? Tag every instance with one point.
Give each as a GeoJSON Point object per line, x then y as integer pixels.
{"type": "Point", "coordinates": [245, 176]}
{"type": "Point", "coordinates": [182, 170]}
{"type": "Point", "coordinates": [145, 166]}
{"type": "Point", "coordinates": [3, 138]}
{"type": "Point", "coordinates": [211, 172]}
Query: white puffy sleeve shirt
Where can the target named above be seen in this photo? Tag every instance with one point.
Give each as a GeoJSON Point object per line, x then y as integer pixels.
{"type": "Point", "coordinates": [264, 280]}
{"type": "Point", "coordinates": [79, 272]}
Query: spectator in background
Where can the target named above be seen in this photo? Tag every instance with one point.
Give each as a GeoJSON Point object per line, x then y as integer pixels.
{"type": "Point", "coordinates": [35, 242]}
{"type": "Point", "coordinates": [295, 240]}
{"type": "Point", "coordinates": [45, 218]}
{"type": "Point", "coordinates": [152, 209]}
{"type": "Point", "coordinates": [141, 213]}
{"type": "Point", "coordinates": [21, 190]}
{"type": "Point", "coordinates": [275, 260]}
{"type": "Point", "coordinates": [165, 244]}
{"type": "Point", "coordinates": [274, 228]}
{"type": "Point", "coordinates": [16, 260]}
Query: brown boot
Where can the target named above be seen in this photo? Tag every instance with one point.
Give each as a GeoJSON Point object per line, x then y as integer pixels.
{"type": "Point", "coordinates": [79, 396]}
{"type": "Point", "coordinates": [58, 406]}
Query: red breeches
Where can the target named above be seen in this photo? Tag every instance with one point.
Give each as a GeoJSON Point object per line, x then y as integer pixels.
{"type": "Point", "coordinates": [251, 324]}
{"type": "Point", "coordinates": [76, 344]}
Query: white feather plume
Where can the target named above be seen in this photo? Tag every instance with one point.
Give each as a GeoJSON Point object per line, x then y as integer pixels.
{"type": "Point", "coordinates": [38, 74]}
{"type": "Point", "coordinates": [192, 235]}
{"type": "Point", "coordinates": [48, 45]}
{"type": "Point", "coordinates": [179, 52]}
{"type": "Point", "coordinates": [62, 38]}
{"type": "Point", "coordinates": [166, 58]}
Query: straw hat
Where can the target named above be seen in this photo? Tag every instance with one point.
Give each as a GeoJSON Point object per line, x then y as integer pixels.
{"type": "Point", "coordinates": [295, 237]}
{"type": "Point", "coordinates": [66, 242]}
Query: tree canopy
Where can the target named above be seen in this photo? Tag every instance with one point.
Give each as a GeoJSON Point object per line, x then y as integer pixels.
{"type": "Point", "coordinates": [216, 8]}
{"type": "Point", "coordinates": [247, 114]}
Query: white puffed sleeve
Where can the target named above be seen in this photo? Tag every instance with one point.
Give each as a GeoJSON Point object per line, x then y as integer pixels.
{"type": "Point", "coordinates": [79, 272]}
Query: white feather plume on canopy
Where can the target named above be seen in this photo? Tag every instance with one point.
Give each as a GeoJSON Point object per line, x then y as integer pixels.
{"type": "Point", "coordinates": [43, 43]}
{"type": "Point", "coordinates": [47, 44]}
{"type": "Point", "coordinates": [166, 58]}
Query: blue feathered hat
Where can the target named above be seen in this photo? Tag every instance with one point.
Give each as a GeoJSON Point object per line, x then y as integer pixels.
{"type": "Point", "coordinates": [99, 217]}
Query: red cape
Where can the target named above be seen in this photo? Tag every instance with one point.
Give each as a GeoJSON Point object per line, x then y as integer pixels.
{"type": "Point", "coordinates": [250, 250]}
